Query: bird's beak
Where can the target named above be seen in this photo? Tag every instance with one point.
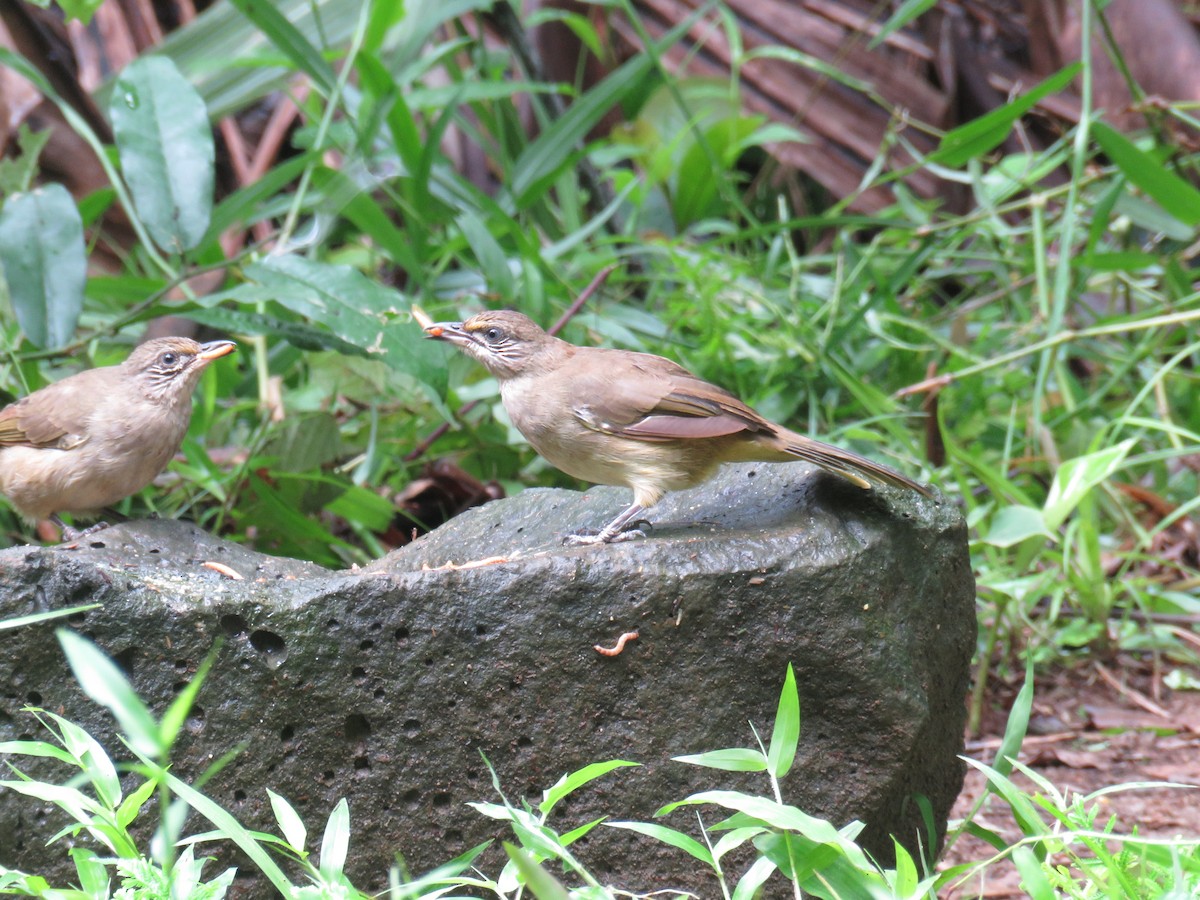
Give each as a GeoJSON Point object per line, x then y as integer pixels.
{"type": "Point", "coordinates": [452, 332]}
{"type": "Point", "coordinates": [215, 350]}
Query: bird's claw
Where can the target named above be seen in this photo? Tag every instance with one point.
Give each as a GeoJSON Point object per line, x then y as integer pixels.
{"type": "Point", "coordinates": [586, 540]}
{"type": "Point", "coordinates": [70, 534]}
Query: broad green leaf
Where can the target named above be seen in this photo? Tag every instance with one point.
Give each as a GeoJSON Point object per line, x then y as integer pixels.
{"type": "Point", "coordinates": [1013, 524]}
{"type": "Point", "coordinates": [668, 836]}
{"type": "Point", "coordinates": [1168, 190]}
{"type": "Point", "coordinates": [571, 782]}
{"type": "Point", "coordinates": [104, 682]}
{"type": "Point", "coordinates": [336, 841]}
{"type": "Point", "coordinates": [981, 135]}
{"type": "Point", "coordinates": [735, 759]}
{"type": "Point", "coordinates": [355, 309]}
{"type": "Point", "coordinates": [1076, 477]}
{"type": "Point", "coordinates": [786, 734]}
{"type": "Point", "coordinates": [165, 143]}
{"type": "Point", "coordinates": [45, 263]}
{"type": "Point", "coordinates": [242, 321]}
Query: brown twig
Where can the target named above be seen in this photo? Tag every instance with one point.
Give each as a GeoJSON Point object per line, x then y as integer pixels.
{"type": "Point", "coordinates": [1135, 696]}
{"type": "Point", "coordinates": [573, 310]}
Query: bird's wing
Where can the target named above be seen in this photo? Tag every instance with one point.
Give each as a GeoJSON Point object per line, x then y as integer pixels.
{"type": "Point", "coordinates": [653, 399]}
{"type": "Point", "coordinates": [47, 418]}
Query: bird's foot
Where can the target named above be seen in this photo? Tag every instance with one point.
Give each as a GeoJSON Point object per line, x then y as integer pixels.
{"type": "Point", "coordinates": [70, 534]}
{"type": "Point", "coordinates": [586, 539]}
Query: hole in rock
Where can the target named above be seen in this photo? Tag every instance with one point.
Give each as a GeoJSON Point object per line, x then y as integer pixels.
{"type": "Point", "coordinates": [286, 733]}
{"type": "Point", "coordinates": [233, 625]}
{"type": "Point", "coordinates": [400, 634]}
{"type": "Point", "coordinates": [33, 698]}
{"type": "Point", "coordinates": [358, 672]}
{"type": "Point", "coordinates": [239, 795]}
{"type": "Point", "coordinates": [357, 728]}
{"type": "Point", "coordinates": [270, 645]}
{"type": "Point", "coordinates": [125, 659]}
{"type": "Point", "coordinates": [441, 798]}
{"type": "Point", "coordinates": [366, 644]}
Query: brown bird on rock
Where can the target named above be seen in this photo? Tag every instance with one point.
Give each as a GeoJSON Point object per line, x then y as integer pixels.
{"type": "Point", "coordinates": [624, 418]}
{"type": "Point", "coordinates": [96, 437]}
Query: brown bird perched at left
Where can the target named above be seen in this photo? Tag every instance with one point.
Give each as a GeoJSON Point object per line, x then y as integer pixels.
{"type": "Point", "coordinates": [94, 438]}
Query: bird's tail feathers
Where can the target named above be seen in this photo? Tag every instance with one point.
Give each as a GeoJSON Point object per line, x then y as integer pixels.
{"type": "Point", "coordinates": [849, 465]}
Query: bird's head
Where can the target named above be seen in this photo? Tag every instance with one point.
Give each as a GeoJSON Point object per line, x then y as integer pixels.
{"type": "Point", "coordinates": [507, 343]}
{"type": "Point", "coordinates": [170, 367]}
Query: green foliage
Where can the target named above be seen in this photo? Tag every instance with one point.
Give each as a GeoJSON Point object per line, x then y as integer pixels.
{"type": "Point", "coordinates": [1063, 848]}
{"type": "Point", "coordinates": [1057, 314]}
{"type": "Point", "coordinates": [166, 149]}
{"type": "Point", "coordinates": [41, 250]}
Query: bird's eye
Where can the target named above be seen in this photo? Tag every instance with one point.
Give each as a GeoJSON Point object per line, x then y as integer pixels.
{"type": "Point", "coordinates": [168, 358]}
{"type": "Point", "coordinates": [493, 334]}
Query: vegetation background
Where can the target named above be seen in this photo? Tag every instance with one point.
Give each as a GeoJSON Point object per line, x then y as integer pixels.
{"type": "Point", "coordinates": [957, 237]}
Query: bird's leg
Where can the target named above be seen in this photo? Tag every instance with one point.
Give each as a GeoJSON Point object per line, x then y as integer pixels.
{"type": "Point", "coordinates": [74, 534]}
{"type": "Point", "coordinates": [611, 533]}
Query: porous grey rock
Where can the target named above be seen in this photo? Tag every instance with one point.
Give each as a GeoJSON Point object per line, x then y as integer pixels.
{"type": "Point", "coordinates": [384, 685]}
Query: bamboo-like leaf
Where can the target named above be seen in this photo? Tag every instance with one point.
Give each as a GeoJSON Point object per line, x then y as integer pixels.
{"type": "Point", "coordinates": [1076, 477]}
{"type": "Point", "coordinates": [786, 735]}
{"type": "Point", "coordinates": [669, 836]}
{"type": "Point", "coordinates": [984, 134]}
{"type": "Point", "coordinates": [165, 142]}
{"type": "Point", "coordinates": [45, 263]}
{"type": "Point", "coordinates": [1168, 190]}
{"type": "Point", "coordinates": [571, 782]}
{"type": "Point", "coordinates": [290, 41]}
{"type": "Point", "coordinates": [335, 843]}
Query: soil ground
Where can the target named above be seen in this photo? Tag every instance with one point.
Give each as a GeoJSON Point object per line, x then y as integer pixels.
{"type": "Point", "coordinates": [1091, 728]}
